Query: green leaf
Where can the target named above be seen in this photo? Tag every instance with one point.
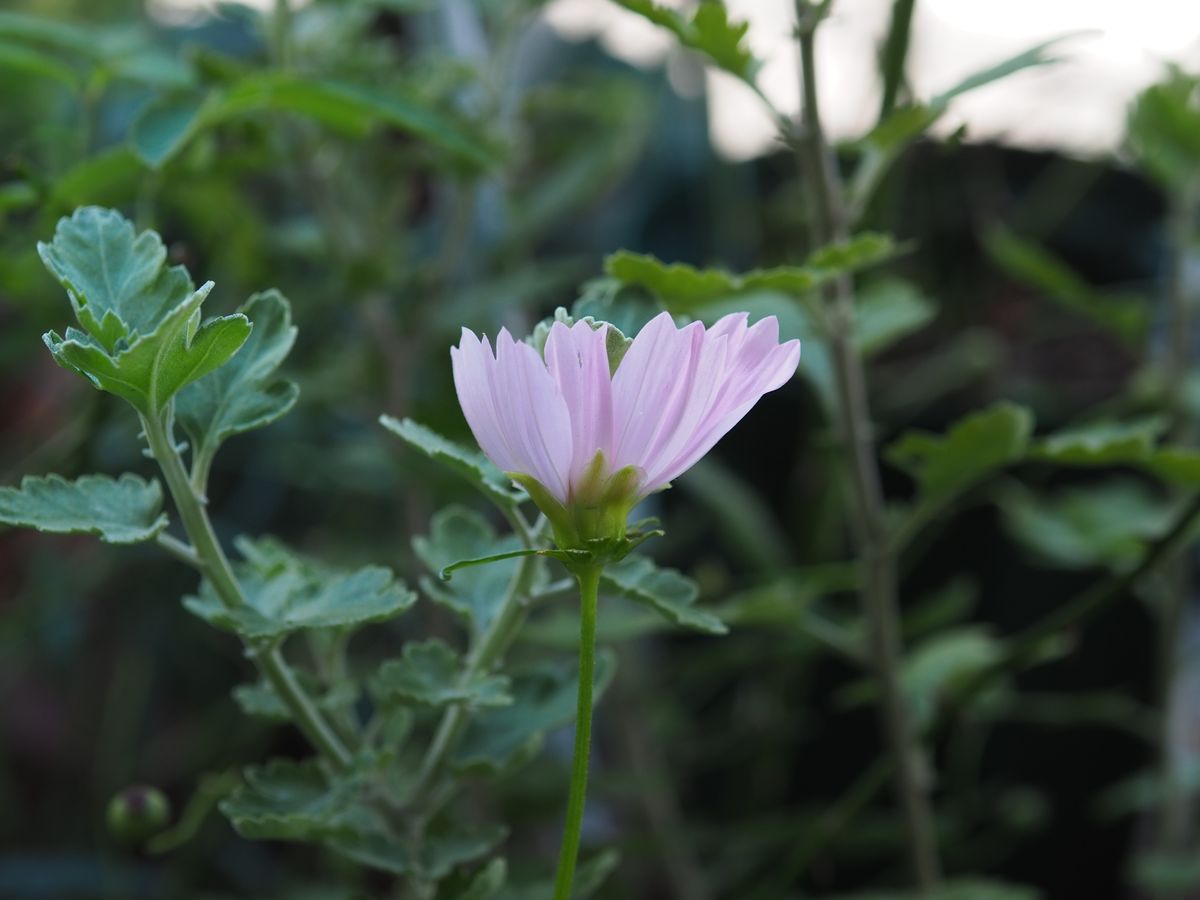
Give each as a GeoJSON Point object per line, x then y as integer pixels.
{"type": "Point", "coordinates": [589, 878]}
{"type": "Point", "coordinates": [1164, 129]}
{"type": "Point", "coordinates": [431, 674]}
{"type": "Point", "coordinates": [1176, 465]}
{"type": "Point", "coordinates": [708, 31]}
{"type": "Point", "coordinates": [946, 465]}
{"type": "Point", "coordinates": [486, 883]}
{"type": "Point", "coordinates": [245, 393]}
{"type": "Point", "coordinates": [543, 699]}
{"type": "Point", "coordinates": [468, 463]}
{"type": "Point", "coordinates": [666, 590]}
{"type": "Point", "coordinates": [35, 30]}
{"type": "Point", "coordinates": [1036, 56]}
{"type": "Point", "coordinates": [477, 593]}
{"type": "Point", "coordinates": [259, 699]}
{"type": "Point", "coordinates": [938, 665]}
{"type": "Point", "coordinates": [1102, 443]}
{"type": "Point", "coordinates": [285, 593]}
{"type": "Point", "coordinates": [685, 289]}
{"type": "Point", "coordinates": [440, 851]}
{"type": "Point", "coordinates": [164, 126]}
{"type": "Point", "coordinates": [121, 511]}
{"type": "Point", "coordinates": [1106, 524]}
{"type": "Point", "coordinates": [24, 60]}
{"type": "Point", "coordinates": [887, 311]}
{"type": "Point", "coordinates": [142, 337]}
{"type": "Point", "coordinates": [1126, 316]}
{"type": "Point", "coordinates": [290, 800]}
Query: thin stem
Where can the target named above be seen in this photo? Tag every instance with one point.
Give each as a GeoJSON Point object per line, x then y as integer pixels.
{"type": "Point", "coordinates": [895, 54]}
{"type": "Point", "coordinates": [281, 29]}
{"type": "Point", "coordinates": [183, 552]}
{"type": "Point", "coordinates": [878, 596]}
{"type": "Point", "coordinates": [210, 559]}
{"type": "Point", "coordinates": [484, 654]}
{"type": "Point", "coordinates": [589, 590]}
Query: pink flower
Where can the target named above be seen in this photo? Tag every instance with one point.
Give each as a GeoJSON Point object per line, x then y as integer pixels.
{"type": "Point", "coordinates": [577, 430]}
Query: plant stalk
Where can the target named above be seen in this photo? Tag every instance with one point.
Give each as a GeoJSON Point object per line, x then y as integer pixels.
{"type": "Point", "coordinates": [214, 565]}
{"type": "Point", "coordinates": [589, 590]}
{"type": "Point", "coordinates": [878, 597]}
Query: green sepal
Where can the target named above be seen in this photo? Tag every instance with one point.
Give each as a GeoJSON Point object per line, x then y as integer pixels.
{"type": "Point", "coordinates": [121, 511]}
{"type": "Point", "coordinates": [616, 344]}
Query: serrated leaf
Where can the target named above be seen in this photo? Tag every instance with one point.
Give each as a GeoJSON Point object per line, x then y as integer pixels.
{"type": "Point", "coordinates": [121, 511]}
{"type": "Point", "coordinates": [543, 699]}
{"type": "Point", "coordinates": [431, 674]}
{"type": "Point", "coordinates": [974, 447]}
{"type": "Point", "coordinates": [1101, 443]}
{"type": "Point", "coordinates": [290, 800]}
{"type": "Point", "coordinates": [286, 594]}
{"type": "Point", "coordinates": [468, 463]}
{"type": "Point", "coordinates": [455, 534]}
{"type": "Point", "coordinates": [686, 289]}
{"type": "Point", "coordinates": [245, 393]}
{"type": "Point", "coordinates": [708, 31]}
{"type": "Point", "coordinates": [666, 590]}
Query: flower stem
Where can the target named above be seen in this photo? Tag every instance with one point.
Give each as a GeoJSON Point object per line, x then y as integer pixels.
{"type": "Point", "coordinates": [589, 590]}
{"type": "Point", "coordinates": [210, 559]}
{"type": "Point", "coordinates": [879, 601]}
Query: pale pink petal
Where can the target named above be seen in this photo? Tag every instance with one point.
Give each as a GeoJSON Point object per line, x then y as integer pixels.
{"type": "Point", "coordinates": [540, 425]}
{"type": "Point", "coordinates": [471, 363]}
{"type": "Point", "coordinates": [649, 388]}
{"type": "Point", "coordinates": [577, 358]}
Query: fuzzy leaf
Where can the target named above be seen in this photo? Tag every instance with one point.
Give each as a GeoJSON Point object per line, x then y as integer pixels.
{"type": "Point", "coordinates": [708, 31]}
{"type": "Point", "coordinates": [468, 463]}
{"type": "Point", "coordinates": [121, 511]}
{"type": "Point", "coordinates": [945, 465]}
{"type": "Point", "coordinates": [666, 590]}
{"type": "Point", "coordinates": [431, 674]}
{"type": "Point", "coordinates": [543, 699]}
{"type": "Point", "coordinates": [245, 393]}
{"type": "Point", "coordinates": [286, 594]}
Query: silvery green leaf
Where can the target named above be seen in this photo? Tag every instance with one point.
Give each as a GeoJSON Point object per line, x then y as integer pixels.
{"type": "Point", "coordinates": [431, 674]}
{"type": "Point", "coordinates": [469, 463]}
{"type": "Point", "coordinates": [120, 511]}
{"type": "Point", "coordinates": [666, 590]}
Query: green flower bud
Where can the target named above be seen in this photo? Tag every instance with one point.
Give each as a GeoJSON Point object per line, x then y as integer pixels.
{"type": "Point", "coordinates": [137, 813]}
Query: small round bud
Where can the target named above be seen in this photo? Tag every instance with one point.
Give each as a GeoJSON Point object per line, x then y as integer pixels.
{"type": "Point", "coordinates": [137, 813]}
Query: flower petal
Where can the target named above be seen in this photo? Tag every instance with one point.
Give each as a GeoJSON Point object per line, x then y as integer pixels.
{"type": "Point", "coordinates": [471, 363]}
{"type": "Point", "coordinates": [577, 358]}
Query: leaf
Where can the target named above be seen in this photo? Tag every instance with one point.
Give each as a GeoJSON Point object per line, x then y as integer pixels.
{"type": "Point", "coordinates": [24, 60]}
{"type": "Point", "coordinates": [121, 511]}
{"type": "Point", "coordinates": [1036, 56]}
{"type": "Point", "coordinates": [1102, 443]}
{"type": "Point", "coordinates": [1126, 316]}
{"type": "Point", "coordinates": [684, 289]}
{"type": "Point", "coordinates": [289, 800]}
{"type": "Point", "coordinates": [946, 465]}
{"type": "Point", "coordinates": [888, 311]}
{"type": "Point", "coordinates": [470, 464]}
{"type": "Point", "coordinates": [431, 674]}
{"type": "Point", "coordinates": [939, 664]}
{"type": "Point", "coordinates": [589, 878]}
{"type": "Point", "coordinates": [285, 593]}
{"type": "Point", "coordinates": [708, 32]}
{"type": "Point", "coordinates": [456, 534]}
{"type": "Point", "coordinates": [666, 590]}
{"type": "Point", "coordinates": [163, 127]}
{"type": "Point", "coordinates": [487, 883]}
{"type": "Point", "coordinates": [260, 699]}
{"type": "Point", "coordinates": [35, 30]}
{"type": "Point", "coordinates": [245, 393]}
{"type": "Point", "coordinates": [1106, 524]}
{"type": "Point", "coordinates": [142, 339]}
{"type": "Point", "coordinates": [543, 700]}
{"type": "Point", "coordinates": [440, 851]}
{"type": "Point", "coordinates": [1164, 129]}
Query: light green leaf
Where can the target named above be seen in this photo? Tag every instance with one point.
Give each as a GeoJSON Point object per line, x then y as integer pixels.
{"type": "Point", "coordinates": [946, 465]}
{"type": "Point", "coordinates": [260, 699]}
{"type": "Point", "coordinates": [543, 699]}
{"type": "Point", "coordinates": [164, 126]}
{"type": "Point", "coordinates": [666, 590]}
{"type": "Point", "coordinates": [943, 662]}
{"type": "Point", "coordinates": [708, 31]}
{"type": "Point", "coordinates": [431, 674]}
{"type": "Point", "coordinates": [468, 463]}
{"type": "Point", "coordinates": [1127, 316]}
{"type": "Point", "coordinates": [887, 311]}
{"type": "Point", "coordinates": [290, 800]}
{"type": "Point", "coordinates": [1106, 524]}
{"type": "Point", "coordinates": [1164, 129]}
{"type": "Point", "coordinates": [1036, 56]}
{"type": "Point", "coordinates": [245, 393]}
{"type": "Point", "coordinates": [121, 511]}
{"type": "Point", "coordinates": [1102, 443]}
{"type": "Point", "coordinates": [285, 593]}
{"type": "Point", "coordinates": [28, 61]}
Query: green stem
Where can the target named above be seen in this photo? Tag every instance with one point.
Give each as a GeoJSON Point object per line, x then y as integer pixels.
{"type": "Point", "coordinates": [895, 55]}
{"type": "Point", "coordinates": [879, 591]}
{"type": "Point", "coordinates": [281, 29]}
{"type": "Point", "coordinates": [214, 565]}
{"type": "Point", "coordinates": [589, 590]}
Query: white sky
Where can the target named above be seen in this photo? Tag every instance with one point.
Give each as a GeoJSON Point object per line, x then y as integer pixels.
{"type": "Point", "coordinates": [1078, 105]}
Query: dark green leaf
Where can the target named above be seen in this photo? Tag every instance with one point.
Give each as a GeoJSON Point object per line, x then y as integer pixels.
{"type": "Point", "coordinates": [543, 699]}
{"type": "Point", "coordinates": [122, 511]}
{"type": "Point", "coordinates": [163, 127]}
{"type": "Point", "coordinates": [469, 463]}
{"type": "Point", "coordinates": [289, 800]}
{"type": "Point", "coordinates": [666, 590]}
{"type": "Point", "coordinates": [260, 699]}
{"type": "Point", "coordinates": [285, 593]}
{"type": "Point", "coordinates": [245, 393]}
{"type": "Point", "coordinates": [589, 878]}
{"type": "Point", "coordinates": [24, 60]}
{"type": "Point", "coordinates": [432, 674]}
{"type": "Point", "coordinates": [486, 883]}
{"type": "Point", "coordinates": [708, 31]}
{"type": "Point", "coordinates": [887, 311]}
{"type": "Point", "coordinates": [439, 853]}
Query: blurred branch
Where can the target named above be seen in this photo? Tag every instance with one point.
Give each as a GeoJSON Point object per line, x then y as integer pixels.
{"type": "Point", "coordinates": [895, 55]}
